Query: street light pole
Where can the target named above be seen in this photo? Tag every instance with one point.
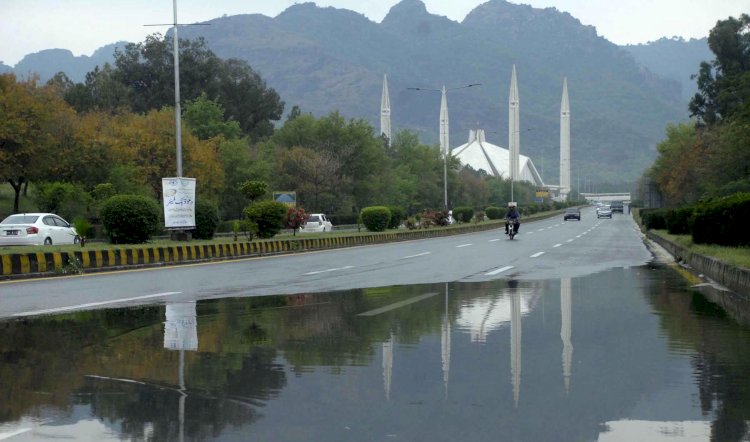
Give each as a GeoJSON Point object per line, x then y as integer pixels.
{"type": "Point", "coordinates": [444, 133]}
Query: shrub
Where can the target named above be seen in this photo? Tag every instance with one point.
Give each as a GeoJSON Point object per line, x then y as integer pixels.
{"type": "Point", "coordinates": [376, 218]}
{"type": "Point", "coordinates": [463, 214]}
{"type": "Point", "coordinates": [341, 219]}
{"type": "Point", "coordinates": [65, 199]}
{"type": "Point", "coordinates": [493, 212]}
{"type": "Point", "coordinates": [268, 216]}
{"type": "Point", "coordinates": [678, 220]}
{"type": "Point", "coordinates": [654, 218]}
{"type": "Point", "coordinates": [130, 219]}
{"type": "Point", "coordinates": [723, 221]}
{"type": "Point", "coordinates": [479, 216]}
{"type": "Point", "coordinates": [397, 215]}
{"type": "Point", "coordinates": [206, 219]}
{"type": "Point", "coordinates": [430, 218]}
{"type": "Point", "coordinates": [411, 223]}
{"type": "Point", "coordinates": [295, 217]}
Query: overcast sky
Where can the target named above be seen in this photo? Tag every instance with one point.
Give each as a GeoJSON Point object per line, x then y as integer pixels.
{"type": "Point", "coordinates": [28, 26]}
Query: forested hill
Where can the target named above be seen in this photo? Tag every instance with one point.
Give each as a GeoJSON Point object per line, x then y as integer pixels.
{"type": "Point", "coordinates": [674, 58]}
{"type": "Point", "coordinates": [326, 59]}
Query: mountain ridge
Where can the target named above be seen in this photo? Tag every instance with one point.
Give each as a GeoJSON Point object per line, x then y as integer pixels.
{"type": "Point", "coordinates": [325, 59]}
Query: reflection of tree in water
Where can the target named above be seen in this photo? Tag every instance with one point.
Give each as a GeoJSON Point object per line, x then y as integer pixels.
{"type": "Point", "coordinates": [151, 410]}
{"type": "Point", "coordinates": [721, 367]}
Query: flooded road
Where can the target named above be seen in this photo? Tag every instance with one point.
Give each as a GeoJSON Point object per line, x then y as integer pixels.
{"type": "Point", "coordinates": [626, 354]}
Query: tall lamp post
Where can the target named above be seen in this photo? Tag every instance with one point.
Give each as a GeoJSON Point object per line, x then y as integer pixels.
{"type": "Point", "coordinates": [444, 134]}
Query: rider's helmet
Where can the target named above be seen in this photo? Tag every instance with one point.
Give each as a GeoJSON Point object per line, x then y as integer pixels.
{"type": "Point", "coordinates": [511, 204]}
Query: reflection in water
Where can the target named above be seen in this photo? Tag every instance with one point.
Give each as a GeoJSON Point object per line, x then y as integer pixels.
{"type": "Point", "coordinates": [566, 329]}
{"type": "Point", "coordinates": [649, 356]}
{"type": "Point", "coordinates": [515, 341]}
{"type": "Point", "coordinates": [388, 365]}
{"type": "Point", "coordinates": [181, 333]}
{"type": "Point", "coordinates": [445, 345]}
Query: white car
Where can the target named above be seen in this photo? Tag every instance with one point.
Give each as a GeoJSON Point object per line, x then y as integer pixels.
{"type": "Point", "coordinates": [318, 222]}
{"type": "Point", "coordinates": [24, 229]}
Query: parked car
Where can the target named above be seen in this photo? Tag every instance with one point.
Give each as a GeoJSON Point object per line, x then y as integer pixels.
{"type": "Point", "coordinates": [24, 229]}
{"type": "Point", "coordinates": [572, 213]}
{"type": "Point", "coordinates": [603, 212]}
{"type": "Point", "coordinates": [318, 222]}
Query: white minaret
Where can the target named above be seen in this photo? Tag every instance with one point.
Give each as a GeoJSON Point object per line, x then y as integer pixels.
{"type": "Point", "coordinates": [514, 132]}
{"type": "Point", "coordinates": [566, 330]}
{"type": "Point", "coordinates": [444, 139]}
{"type": "Point", "coordinates": [565, 142]}
{"type": "Point", "coordinates": [385, 111]}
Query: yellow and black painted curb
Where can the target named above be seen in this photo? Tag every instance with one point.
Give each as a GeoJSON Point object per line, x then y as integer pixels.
{"type": "Point", "coordinates": [20, 265]}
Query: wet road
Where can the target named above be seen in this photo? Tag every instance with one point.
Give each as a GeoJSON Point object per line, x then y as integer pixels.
{"type": "Point", "coordinates": [544, 249]}
{"type": "Point", "coordinates": [624, 354]}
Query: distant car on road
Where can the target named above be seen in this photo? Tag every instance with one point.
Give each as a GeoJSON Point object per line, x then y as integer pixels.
{"type": "Point", "coordinates": [603, 212]}
{"type": "Point", "coordinates": [318, 222]}
{"type": "Point", "coordinates": [616, 206]}
{"type": "Point", "coordinates": [25, 229]}
{"type": "Point", "coordinates": [572, 213]}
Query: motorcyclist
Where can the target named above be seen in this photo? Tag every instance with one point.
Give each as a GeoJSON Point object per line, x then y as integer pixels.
{"type": "Point", "coordinates": [512, 216]}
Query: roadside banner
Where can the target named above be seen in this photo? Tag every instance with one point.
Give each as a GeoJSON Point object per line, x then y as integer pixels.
{"type": "Point", "coordinates": [179, 202]}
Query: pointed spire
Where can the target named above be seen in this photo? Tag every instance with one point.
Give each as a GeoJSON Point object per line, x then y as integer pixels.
{"type": "Point", "coordinates": [565, 141]}
{"type": "Point", "coordinates": [385, 111]}
{"type": "Point", "coordinates": [514, 132]}
{"type": "Point", "coordinates": [444, 136]}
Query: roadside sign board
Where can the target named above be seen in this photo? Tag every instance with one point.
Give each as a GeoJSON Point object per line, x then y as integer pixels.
{"type": "Point", "coordinates": [179, 202]}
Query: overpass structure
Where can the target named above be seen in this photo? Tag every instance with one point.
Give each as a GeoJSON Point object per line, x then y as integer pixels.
{"type": "Point", "coordinates": [603, 197]}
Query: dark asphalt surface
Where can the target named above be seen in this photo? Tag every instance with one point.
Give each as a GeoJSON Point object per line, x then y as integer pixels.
{"type": "Point", "coordinates": [545, 249]}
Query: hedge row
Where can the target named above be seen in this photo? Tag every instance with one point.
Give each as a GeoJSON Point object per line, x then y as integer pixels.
{"type": "Point", "coordinates": [720, 221]}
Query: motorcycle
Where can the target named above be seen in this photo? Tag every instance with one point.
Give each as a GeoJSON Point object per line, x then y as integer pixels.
{"type": "Point", "coordinates": [512, 227]}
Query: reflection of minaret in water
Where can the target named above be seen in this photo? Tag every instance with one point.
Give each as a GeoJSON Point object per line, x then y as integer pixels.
{"type": "Point", "coordinates": [181, 333]}
{"type": "Point", "coordinates": [515, 344]}
{"type": "Point", "coordinates": [445, 345]}
{"type": "Point", "coordinates": [566, 329]}
{"type": "Point", "coordinates": [387, 366]}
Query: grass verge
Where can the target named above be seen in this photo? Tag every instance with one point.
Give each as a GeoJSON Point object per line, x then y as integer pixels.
{"type": "Point", "coordinates": [735, 256]}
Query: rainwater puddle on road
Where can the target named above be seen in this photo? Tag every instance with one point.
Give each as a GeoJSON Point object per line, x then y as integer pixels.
{"type": "Point", "coordinates": [628, 354]}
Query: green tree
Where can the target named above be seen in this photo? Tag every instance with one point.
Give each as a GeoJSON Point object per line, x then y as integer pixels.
{"type": "Point", "coordinates": [31, 117]}
{"type": "Point", "coordinates": [206, 119]}
{"type": "Point", "coordinates": [724, 84]}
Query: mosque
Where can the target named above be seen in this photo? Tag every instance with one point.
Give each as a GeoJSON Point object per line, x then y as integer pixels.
{"type": "Point", "coordinates": [496, 160]}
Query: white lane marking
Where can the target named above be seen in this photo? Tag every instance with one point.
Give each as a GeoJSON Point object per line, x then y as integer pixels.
{"type": "Point", "coordinates": [464, 245]}
{"type": "Point", "coordinates": [14, 433]}
{"type": "Point", "coordinates": [329, 270]}
{"type": "Point", "coordinates": [418, 254]}
{"type": "Point", "coordinates": [529, 233]}
{"type": "Point", "coordinates": [396, 305]}
{"type": "Point", "coordinates": [500, 270]}
{"type": "Point", "coordinates": [539, 230]}
{"type": "Point", "coordinates": [537, 254]}
{"type": "Point", "coordinates": [93, 304]}
{"type": "Point", "coordinates": [493, 240]}
{"type": "Point", "coordinates": [570, 240]}
{"type": "Point", "coordinates": [556, 245]}
{"type": "Point", "coordinates": [578, 236]}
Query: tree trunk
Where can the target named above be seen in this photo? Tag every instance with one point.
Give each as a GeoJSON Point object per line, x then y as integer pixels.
{"type": "Point", "coordinates": [17, 189]}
